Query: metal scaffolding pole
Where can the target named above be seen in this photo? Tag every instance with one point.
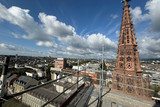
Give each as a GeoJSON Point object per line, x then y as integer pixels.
{"type": "Point", "coordinates": [59, 94]}
{"type": "Point", "coordinates": [35, 87]}
{"type": "Point", "coordinates": [101, 81]}
{"type": "Point", "coordinates": [78, 74]}
{"type": "Point", "coordinates": [101, 97]}
{"type": "Point", "coordinates": [3, 78]}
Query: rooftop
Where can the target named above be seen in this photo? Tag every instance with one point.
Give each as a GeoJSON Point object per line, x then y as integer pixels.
{"type": "Point", "coordinates": [22, 80]}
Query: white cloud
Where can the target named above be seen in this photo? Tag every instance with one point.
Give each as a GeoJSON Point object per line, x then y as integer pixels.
{"type": "Point", "coordinates": [114, 16]}
{"type": "Point", "coordinates": [15, 35]}
{"type": "Point", "coordinates": [117, 33]}
{"type": "Point", "coordinates": [152, 7]}
{"type": "Point", "coordinates": [137, 15]}
{"type": "Point", "coordinates": [149, 47]}
{"type": "Point", "coordinates": [74, 44]}
{"type": "Point", "coordinates": [52, 28]}
{"type": "Point", "coordinates": [95, 42]}
{"type": "Point", "coordinates": [21, 17]}
{"type": "Point", "coordinates": [8, 47]}
{"type": "Point", "coordinates": [46, 44]}
{"type": "Point", "coordinates": [55, 27]}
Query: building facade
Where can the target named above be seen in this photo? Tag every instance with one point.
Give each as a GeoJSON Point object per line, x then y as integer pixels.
{"type": "Point", "coordinates": [22, 83]}
{"type": "Point", "coordinates": [37, 97]}
{"type": "Point", "coordinates": [60, 63]}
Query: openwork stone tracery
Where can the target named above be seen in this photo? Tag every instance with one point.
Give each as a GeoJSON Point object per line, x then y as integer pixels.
{"type": "Point", "coordinates": [127, 75]}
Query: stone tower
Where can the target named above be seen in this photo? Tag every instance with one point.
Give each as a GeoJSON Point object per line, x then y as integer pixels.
{"type": "Point", "coordinates": [127, 77]}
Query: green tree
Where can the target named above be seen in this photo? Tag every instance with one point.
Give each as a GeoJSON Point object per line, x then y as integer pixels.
{"type": "Point", "coordinates": [104, 66]}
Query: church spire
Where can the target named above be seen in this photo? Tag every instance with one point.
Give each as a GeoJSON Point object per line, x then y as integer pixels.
{"type": "Point", "coordinates": [127, 63]}
{"type": "Point", "coordinates": [128, 58]}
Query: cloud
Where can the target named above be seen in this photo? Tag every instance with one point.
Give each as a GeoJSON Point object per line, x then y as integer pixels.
{"type": "Point", "coordinates": [149, 47]}
{"type": "Point", "coordinates": [114, 16]}
{"type": "Point", "coordinates": [46, 44]}
{"type": "Point", "coordinates": [8, 49]}
{"type": "Point", "coordinates": [96, 41]}
{"type": "Point", "coordinates": [50, 28]}
{"type": "Point", "coordinates": [152, 7]}
{"type": "Point", "coordinates": [15, 35]}
{"type": "Point", "coordinates": [6, 46]}
{"type": "Point", "coordinates": [93, 42]}
{"type": "Point", "coordinates": [72, 44]}
{"type": "Point", "coordinates": [113, 29]}
{"type": "Point", "coordinates": [21, 18]}
{"type": "Point", "coordinates": [55, 27]}
{"type": "Point", "coordinates": [117, 33]}
{"type": "Point", "coordinates": [137, 15]}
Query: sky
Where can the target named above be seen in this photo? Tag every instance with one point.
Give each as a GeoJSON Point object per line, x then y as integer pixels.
{"type": "Point", "coordinates": [76, 28]}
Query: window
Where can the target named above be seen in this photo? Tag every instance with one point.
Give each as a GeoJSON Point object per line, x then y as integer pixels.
{"type": "Point", "coordinates": [129, 58]}
{"type": "Point", "coordinates": [135, 59]}
{"type": "Point", "coordinates": [123, 38]}
{"type": "Point", "coordinates": [128, 52]}
{"type": "Point", "coordinates": [121, 53]}
{"type": "Point", "coordinates": [129, 66]}
{"type": "Point", "coordinates": [121, 58]}
{"type": "Point", "coordinates": [121, 65]}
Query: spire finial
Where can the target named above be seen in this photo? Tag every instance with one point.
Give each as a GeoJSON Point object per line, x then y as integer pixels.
{"type": "Point", "coordinates": [125, 1]}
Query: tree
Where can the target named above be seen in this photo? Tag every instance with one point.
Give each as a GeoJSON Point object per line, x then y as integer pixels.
{"type": "Point", "coordinates": [104, 66]}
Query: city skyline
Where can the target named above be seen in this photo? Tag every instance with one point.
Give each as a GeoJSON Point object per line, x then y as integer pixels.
{"type": "Point", "coordinates": [75, 28]}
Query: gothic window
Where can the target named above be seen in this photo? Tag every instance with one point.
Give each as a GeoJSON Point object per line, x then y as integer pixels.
{"type": "Point", "coordinates": [119, 87]}
{"type": "Point", "coordinates": [129, 58]}
{"type": "Point", "coordinates": [135, 49]}
{"type": "Point", "coordinates": [139, 83]}
{"type": "Point", "coordinates": [117, 78]}
{"type": "Point", "coordinates": [121, 79]}
{"type": "Point", "coordinates": [130, 81]}
{"type": "Point", "coordinates": [135, 59]}
{"type": "Point", "coordinates": [127, 41]}
{"type": "Point", "coordinates": [123, 38]}
{"type": "Point", "coordinates": [129, 66]}
{"type": "Point", "coordinates": [130, 89]}
{"type": "Point", "coordinates": [121, 65]}
{"type": "Point", "coordinates": [121, 53]}
{"type": "Point", "coordinates": [128, 52]}
{"type": "Point", "coordinates": [121, 58]}
{"type": "Point", "coordinates": [140, 91]}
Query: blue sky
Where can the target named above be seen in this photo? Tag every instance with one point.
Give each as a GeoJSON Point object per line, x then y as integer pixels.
{"type": "Point", "coordinates": [75, 28]}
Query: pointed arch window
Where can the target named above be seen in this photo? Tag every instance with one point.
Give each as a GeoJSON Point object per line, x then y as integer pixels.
{"type": "Point", "coordinates": [129, 58]}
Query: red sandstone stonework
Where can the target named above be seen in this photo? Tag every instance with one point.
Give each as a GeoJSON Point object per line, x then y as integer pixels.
{"type": "Point", "coordinates": [127, 76]}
